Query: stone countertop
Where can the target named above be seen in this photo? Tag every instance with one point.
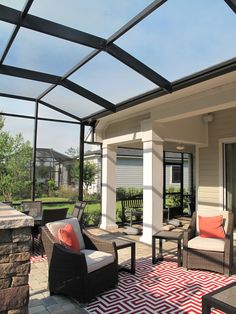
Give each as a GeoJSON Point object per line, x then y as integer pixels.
{"type": "Point", "coordinates": [11, 218]}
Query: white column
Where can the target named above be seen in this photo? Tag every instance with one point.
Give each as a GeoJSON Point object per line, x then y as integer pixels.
{"type": "Point", "coordinates": [152, 189]}
{"type": "Point", "coordinates": [108, 187]}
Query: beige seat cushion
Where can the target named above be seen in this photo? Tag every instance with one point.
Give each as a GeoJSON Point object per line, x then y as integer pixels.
{"type": "Point", "coordinates": [97, 259]}
{"type": "Point", "coordinates": [53, 227]}
{"type": "Point", "coordinates": [207, 244]}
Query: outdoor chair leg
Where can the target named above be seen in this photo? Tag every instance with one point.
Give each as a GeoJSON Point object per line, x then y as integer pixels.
{"type": "Point", "coordinates": [32, 245]}
{"type": "Point", "coordinates": [41, 245]}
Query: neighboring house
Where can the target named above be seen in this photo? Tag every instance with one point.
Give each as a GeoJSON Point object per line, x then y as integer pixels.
{"type": "Point", "coordinates": [173, 170]}
{"type": "Point", "coordinates": [52, 165]}
{"type": "Point", "coordinates": [129, 171]}
{"type": "Point", "coordinates": [129, 168]}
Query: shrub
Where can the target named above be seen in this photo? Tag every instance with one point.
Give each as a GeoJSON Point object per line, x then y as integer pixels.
{"type": "Point", "coordinates": [174, 200]}
{"type": "Point", "coordinates": [120, 193]}
{"type": "Point", "coordinates": [66, 191]}
{"type": "Point", "coordinates": [91, 218]}
{"type": "Point", "coordinates": [123, 193]}
{"type": "Point", "coordinates": [93, 197]}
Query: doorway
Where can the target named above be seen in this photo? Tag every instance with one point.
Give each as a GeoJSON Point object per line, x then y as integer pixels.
{"type": "Point", "coordinates": [178, 183]}
{"type": "Point", "coordinates": [230, 178]}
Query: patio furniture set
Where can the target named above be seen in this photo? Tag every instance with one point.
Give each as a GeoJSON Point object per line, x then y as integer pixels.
{"type": "Point", "coordinates": [94, 269]}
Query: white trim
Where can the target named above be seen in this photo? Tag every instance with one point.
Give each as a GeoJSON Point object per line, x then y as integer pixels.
{"type": "Point", "coordinates": [170, 173]}
{"type": "Point", "coordinates": [222, 190]}
{"type": "Point", "coordinates": [197, 169]}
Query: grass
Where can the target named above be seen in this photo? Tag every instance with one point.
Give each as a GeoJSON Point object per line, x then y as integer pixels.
{"type": "Point", "coordinates": [92, 210]}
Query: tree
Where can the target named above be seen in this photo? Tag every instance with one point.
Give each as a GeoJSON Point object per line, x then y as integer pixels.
{"type": "Point", "coordinates": [72, 152]}
{"type": "Point", "coordinates": [15, 158]}
{"type": "Point", "coordinates": [90, 172]}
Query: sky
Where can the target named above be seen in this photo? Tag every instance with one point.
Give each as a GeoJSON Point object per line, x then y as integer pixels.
{"type": "Point", "coordinates": [178, 39]}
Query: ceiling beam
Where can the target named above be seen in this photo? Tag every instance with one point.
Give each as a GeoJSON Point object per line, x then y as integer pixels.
{"type": "Point", "coordinates": [89, 95]}
{"type": "Point", "coordinates": [42, 102]}
{"type": "Point", "coordinates": [70, 72]}
{"type": "Point", "coordinates": [17, 97]}
{"type": "Point", "coordinates": [38, 24]}
{"type": "Point", "coordinates": [59, 110]}
{"type": "Point", "coordinates": [15, 31]}
{"type": "Point", "coordinates": [231, 4]}
{"type": "Point", "coordinates": [138, 66]}
{"type": "Point", "coordinates": [195, 78]}
{"type": "Point", "coordinates": [41, 119]}
{"type": "Point", "coordinates": [148, 10]}
{"type": "Point", "coordinates": [53, 79]}
{"type": "Point", "coordinates": [28, 74]}
{"type": "Point", "coordinates": [135, 20]}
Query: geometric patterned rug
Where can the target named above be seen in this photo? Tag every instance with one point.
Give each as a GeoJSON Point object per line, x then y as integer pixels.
{"type": "Point", "coordinates": [35, 258]}
{"type": "Point", "coordinates": [162, 288]}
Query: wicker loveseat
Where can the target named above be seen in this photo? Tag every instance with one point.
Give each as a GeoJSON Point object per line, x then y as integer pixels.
{"type": "Point", "coordinates": [209, 253]}
{"type": "Point", "coordinates": [81, 275]}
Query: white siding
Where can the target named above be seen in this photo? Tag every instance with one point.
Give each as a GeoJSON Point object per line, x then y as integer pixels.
{"type": "Point", "coordinates": [129, 172]}
{"type": "Point", "coordinates": [187, 177]}
{"type": "Point", "coordinates": [223, 126]}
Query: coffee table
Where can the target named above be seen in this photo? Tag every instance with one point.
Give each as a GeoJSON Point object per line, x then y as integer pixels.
{"type": "Point", "coordinates": [223, 299]}
{"type": "Point", "coordinates": [166, 235]}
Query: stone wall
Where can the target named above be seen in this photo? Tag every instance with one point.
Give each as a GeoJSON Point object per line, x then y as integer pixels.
{"type": "Point", "coordinates": [15, 245]}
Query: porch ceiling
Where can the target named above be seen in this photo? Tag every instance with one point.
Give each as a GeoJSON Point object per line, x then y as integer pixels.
{"type": "Point", "coordinates": [89, 59]}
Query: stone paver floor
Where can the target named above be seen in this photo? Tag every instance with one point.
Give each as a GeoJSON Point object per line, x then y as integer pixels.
{"type": "Point", "coordinates": [40, 300]}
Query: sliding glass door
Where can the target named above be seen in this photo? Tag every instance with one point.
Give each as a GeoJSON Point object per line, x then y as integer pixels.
{"type": "Point", "coordinates": [230, 178]}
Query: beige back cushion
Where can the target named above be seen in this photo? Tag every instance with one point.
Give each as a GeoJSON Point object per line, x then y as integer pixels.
{"type": "Point", "coordinates": [211, 213]}
{"type": "Point", "coordinates": [53, 227]}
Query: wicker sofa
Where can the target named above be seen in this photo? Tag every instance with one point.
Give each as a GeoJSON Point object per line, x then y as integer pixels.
{"type": "Point", "coordinates": [81, 275]}
{"type": "Point", "coordinates": [209, 254]}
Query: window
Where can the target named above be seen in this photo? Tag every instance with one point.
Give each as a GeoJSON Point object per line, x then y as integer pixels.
{"type": "Point", "coordinates": [176, 174]}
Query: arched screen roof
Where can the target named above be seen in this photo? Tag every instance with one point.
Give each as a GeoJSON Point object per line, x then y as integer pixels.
{"type": "Point", "coordinates": [87, 59]}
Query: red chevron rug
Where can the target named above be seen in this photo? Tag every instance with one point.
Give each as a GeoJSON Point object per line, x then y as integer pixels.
{"type": "Point", "coordinates": [163, 288]}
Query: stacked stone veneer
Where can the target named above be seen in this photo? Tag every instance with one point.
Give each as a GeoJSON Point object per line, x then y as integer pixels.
{"type": "Point", "coordinates": [15, 244]}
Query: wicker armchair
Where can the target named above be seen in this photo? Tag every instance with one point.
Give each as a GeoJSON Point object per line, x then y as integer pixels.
{"type": "Point", "coordinates": [70, 273]}
{"type": "Point", "coordinates": [50, 215]}
{"type": "Point", "coordinates": [217, 254]}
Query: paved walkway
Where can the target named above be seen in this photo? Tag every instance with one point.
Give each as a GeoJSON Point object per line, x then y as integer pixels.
{"type": "Point", "coordinates": [41, 302]}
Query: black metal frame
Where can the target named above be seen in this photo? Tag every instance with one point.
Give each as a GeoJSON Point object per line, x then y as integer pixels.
{"type": "Point", "coordinates": [24, 19]}
{"type": "Point", "coordinates": [231, 4]}
{"type": "Point", "coordinates": [191, 196]}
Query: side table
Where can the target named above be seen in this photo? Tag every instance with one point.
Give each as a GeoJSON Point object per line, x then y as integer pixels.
{"type": "Point", "coordinates": [166, 235]}
{"type": "Point", "coordinates": [122, 244]}
{"type": "Point", "coordinates": [222, 299]}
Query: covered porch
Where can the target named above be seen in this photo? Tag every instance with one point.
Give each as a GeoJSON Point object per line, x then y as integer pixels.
{"type": "Point", "coordinates": [201, 119]}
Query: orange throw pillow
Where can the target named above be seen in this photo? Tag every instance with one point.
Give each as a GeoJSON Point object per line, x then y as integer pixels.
{"type": "Point", "coordinates": [67, 236]}
{"type": "Point", "coordinates": [211, 227]}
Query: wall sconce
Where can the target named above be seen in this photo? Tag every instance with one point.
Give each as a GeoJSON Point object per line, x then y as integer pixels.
{"type": "Point", "coordinates": [180, 146]}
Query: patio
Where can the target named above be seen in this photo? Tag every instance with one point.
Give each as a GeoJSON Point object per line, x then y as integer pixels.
{"type": "Point", "coordinates": [41, 302]}
{"type": "Point", "coordinates": [159, 77]}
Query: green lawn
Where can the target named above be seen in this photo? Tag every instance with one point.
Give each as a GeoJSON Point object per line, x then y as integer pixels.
{"type": "Point", "coordinates": [92, 211]}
